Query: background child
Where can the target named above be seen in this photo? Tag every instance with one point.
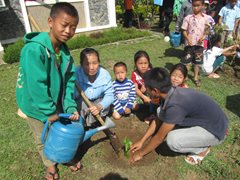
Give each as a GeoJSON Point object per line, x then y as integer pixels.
{"type": "Point", "coordinates": [178, 75]}
{"type": "Point", "coordinates": [229, 15]}
{"type": "Point", "coordinates": [124, 91]}
{"type": "Point", "coordinates": [214, 56]}
{"type": "Point", "coordinates": [166, 15]}
{"type": "Point", "coordinates": [96, 83]}
{"type": "Point", "coordinates": [186, 10]}
{"type": "Point", "coordinates": [142, 65]}
{"type": "Point", "coordinates": [193, 31]}
{"type": "Point", "coordinates": [41, 91]}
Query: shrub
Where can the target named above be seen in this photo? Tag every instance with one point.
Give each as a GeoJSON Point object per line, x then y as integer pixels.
{"type": "Point", "coordinates": [12, 52]}
{"type": "Point", "coordinates": [108, 36]}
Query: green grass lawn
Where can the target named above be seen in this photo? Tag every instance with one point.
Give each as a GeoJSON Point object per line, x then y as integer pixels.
{"type": "Point", "coordinates": [20, 160]}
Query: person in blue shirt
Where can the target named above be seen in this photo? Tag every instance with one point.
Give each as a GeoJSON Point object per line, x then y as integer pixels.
{"type": "Point", "coordinates": [124, 91]}
{"type": "Point", "coordinates": [96, 83]}
{"type": "Point", "coordinates": [229, 16]}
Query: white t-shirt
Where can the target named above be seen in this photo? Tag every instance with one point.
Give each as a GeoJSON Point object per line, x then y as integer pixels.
{"type": "Point", "coordinates": [209, 56]}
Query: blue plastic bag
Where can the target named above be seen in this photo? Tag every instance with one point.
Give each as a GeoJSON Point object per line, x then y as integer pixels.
{"type": "Point", "coordinates": [158, 2]}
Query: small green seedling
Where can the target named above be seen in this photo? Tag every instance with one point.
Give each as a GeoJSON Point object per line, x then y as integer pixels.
{"type": "Point", "coordinates": [127, 144]}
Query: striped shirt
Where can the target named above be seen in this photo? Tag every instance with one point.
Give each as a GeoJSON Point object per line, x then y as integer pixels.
{"type": "Point", "coordinates": [124, 95]}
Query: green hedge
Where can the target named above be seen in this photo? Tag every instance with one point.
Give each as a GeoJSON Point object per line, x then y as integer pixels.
{"type": "Point", "coordinates": [12, 52]}
{"type": "Point", "coordinates": [108, 36]}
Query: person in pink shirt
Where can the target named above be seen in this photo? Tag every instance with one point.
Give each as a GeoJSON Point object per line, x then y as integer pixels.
{"type": "Point", "coordinates": [194, 28]}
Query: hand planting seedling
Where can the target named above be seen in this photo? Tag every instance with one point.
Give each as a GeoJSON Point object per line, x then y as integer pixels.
{"type": "Point", "coordinates": [127, 144]}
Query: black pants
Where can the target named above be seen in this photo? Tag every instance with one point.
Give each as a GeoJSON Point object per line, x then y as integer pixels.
{"type": "Point", "coordinates": [128, 18]}
{"type": "Point", "coordinates": [168, 15]}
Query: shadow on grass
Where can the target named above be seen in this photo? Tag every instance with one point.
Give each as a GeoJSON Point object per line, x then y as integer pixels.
{"type": "Point", "coordinates": [173, 52]}
{"type": "Point", "coordinates": [83, 148]}
{"type": "Point", "coordinates": [233, 104]}
{"type": "Point", "coordinates": [113, 176]}
{"type": "Point", "coordinates": [169, 66]}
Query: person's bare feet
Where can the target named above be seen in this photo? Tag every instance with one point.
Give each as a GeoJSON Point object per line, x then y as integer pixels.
{"type": "Point", "coordinates": [76, 167]}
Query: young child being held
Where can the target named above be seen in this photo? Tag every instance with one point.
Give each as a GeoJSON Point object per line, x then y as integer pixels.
{"type": "Point", "coordinates": [194, 33]}
{"type": "Point", "coordinates": [46, 77]}
{"type": "Point", "coordinates": [124, 91]}
{"type": "Point", "coordinates": [142, 65]}
{"type": "Point", "coordinates": [214, 56]}
{"type": "Point", "coordinates": [178, 75]}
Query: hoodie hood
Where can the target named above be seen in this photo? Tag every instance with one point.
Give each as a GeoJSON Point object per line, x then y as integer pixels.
{"type": "Point", "coordinates": [43, 38]}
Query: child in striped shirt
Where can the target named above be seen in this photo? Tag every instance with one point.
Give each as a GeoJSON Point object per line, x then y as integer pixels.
{"type": "Point", "coordinates": [124, 91]}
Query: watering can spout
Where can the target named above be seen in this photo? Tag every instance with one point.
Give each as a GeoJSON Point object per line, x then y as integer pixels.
{"type": "Point", "coordinates": [108, 124]}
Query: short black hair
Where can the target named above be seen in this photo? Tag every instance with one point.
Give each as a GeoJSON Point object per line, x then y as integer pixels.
{"type": "Point", "coordinates": [198, 0]}
{"type": "Point", "coordinates": [158, 78]}
{"type": "Point", "coordinates": [181, 67]}
{"type": "Point", "coordinates": [213, 39]}
{"type": "Point", "coordinates": [85, 52]}
{"type": "Point", "coordinates": [65, 7]}
{"type": "Point", "coordinates": [119, 64]}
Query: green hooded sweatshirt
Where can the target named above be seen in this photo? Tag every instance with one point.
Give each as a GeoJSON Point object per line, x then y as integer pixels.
{"type": "Point", "coordinates": [41, 84]}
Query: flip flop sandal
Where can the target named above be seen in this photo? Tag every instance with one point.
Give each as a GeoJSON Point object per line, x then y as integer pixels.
{"type": "Point", "coordinates": [52, 175]}
{"type": "Point", "coordinates": [197, 83]}
{"type": "Point", "coordinates": [195, 159]}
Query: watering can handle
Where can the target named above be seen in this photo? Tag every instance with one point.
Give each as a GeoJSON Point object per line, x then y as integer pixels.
{"type": "Point", "coordinates": [44, 132]}
{"type": "Point", "coordinates": [62, 115]}
{"type": "Point", "coordinates": [46, 126]}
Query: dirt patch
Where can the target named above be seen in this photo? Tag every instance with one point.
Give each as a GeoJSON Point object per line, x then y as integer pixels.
{"type": "Point", "coordinates": [133, 129]}
{"type": "Point", "coordinates": [232, 72]}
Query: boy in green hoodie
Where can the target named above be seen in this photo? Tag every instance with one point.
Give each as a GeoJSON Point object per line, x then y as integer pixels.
{"type": "Point", "coordinates": [45, 83]}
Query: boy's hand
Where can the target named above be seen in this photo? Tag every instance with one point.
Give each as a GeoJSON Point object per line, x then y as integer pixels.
{"type": "Point", "coordinates": [127, 111]}
{"type": "Point", "coordinates": [189, 42]}
{"type": "Point", "coordinates": [53, 118]}
{"type": "Point", "coordinates": [200, 41]}
{"type": "Point", "coordinates": [135, 157]}
{"type": "Point", "coordinates": [75, 116]}
{"type": "Point", "coordinates": [136, 146]}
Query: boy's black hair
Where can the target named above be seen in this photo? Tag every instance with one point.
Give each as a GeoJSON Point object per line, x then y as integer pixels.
{"type": "Point", "coordinates": [181, 67]}
{"type": "Point", "coordinates": [63, 7]}
{"type": "Point", "coordinates": [198, 0]}
{"type": "Point", "coordinates": [85, 52]}
{"type": "Point", "coordinates": [158, 78]}
{"type": "Point", "coordinates": [213, 39]}
{"type": "Point", "coordinates": [119, 64]}
{"type": "Point", "coordinates": [140, 54]}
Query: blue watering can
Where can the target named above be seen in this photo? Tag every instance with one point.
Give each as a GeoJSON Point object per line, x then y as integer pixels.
{"type": "Point", "coordinates": [64, 136]}
{"type": "Point", "coordinates": [175, 39]}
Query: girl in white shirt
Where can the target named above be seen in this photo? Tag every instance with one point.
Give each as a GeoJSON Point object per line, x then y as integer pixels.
{"type": "Point", "coordinates": [214, 56]}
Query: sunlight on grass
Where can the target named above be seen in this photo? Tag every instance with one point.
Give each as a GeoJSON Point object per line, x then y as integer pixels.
{"type": "Point", "coordinates": [20, 160]}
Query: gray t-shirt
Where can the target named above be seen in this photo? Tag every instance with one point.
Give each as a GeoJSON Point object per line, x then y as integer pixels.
{"type": "Point", "coordinates": [187, 108]}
